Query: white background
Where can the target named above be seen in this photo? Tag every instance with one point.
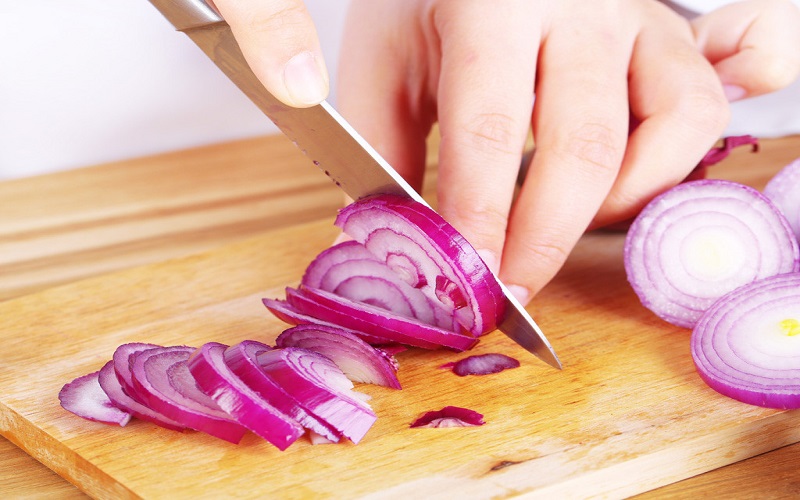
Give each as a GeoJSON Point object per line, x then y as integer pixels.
{"type": "Point", "coordinates": [85, 82]}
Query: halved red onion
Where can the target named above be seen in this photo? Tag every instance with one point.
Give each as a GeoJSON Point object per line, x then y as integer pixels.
{"type": "Point", "coordinates": [698, 241]}
{"type": "Point", "coordinates": [417, 242]}
{"type": "Point", "coordinates": [375, 321]}
{"type": "Point", "coordinates": [449, 416]}
{"type": "Point", "coordinates": [112, 386]}
{"type": "Point", "coordinates": [357, 359]}
{"type": "Point", "coordinates": [747, 345]}
{"type": "Point", "coordinates": [161, 376]}
{"type": "Point", "coordinates": [325, 390]}
{"type": "Point", "coordinates": [482, 364]}
{"type": "Point", "coordinates": [237, 399]}
{"type": "Point", "coordinates": [784, 191]}
{"type": "Point", "coordinates": [85, 398]}
{"type": "Point", "coordinates": [242, 359]}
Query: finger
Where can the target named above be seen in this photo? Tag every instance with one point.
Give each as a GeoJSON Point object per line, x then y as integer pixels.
{"type": "Point", "coordinates": [485, 95]}
{"type": "Point", "coordinates": [754, 45]}
{"type": "Point", "coordinates": [380, 95]}
{"type": "Point", "coordinates": [580, 127]}
{"type": "Point", "coordinates": [279, 42]}
{"type": "Point", "coordinates": [681, 110]}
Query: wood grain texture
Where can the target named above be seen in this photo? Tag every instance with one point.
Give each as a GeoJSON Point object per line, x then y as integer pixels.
{"type": "Point", "coordinates": [544, 448]}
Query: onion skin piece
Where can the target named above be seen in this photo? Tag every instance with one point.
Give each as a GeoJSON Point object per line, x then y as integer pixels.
{"type": "Point", "coordinates": [162, 376]}
{"type": "Point", "coordinates": [449, 416]}
{"type": "Point", "coordinates": [784, 191]}
{"type": "Point", "coordinates": [357, 359]}
{"type": "Point", "coordinates": [747, 345]}
{"type": "Point", "coordinates": [112, 386]}
{"type": "Point", "coordinates": [482, 364]}
{"type": "Point", "coordinates": [325, 391]}
{"type": "Point", "coordinates": [700, 240]}
{"type": "Point", "coordinates": [447, 254]}
{"type": "Point", "coordinates": [242, 359]}
{"type": "Point", "coordinates": [236, 398]}
{"type": "Point", "coordinates": [85, 398]}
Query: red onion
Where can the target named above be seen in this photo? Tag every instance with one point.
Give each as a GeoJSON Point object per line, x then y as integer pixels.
{"type": "Point", "coordinates": [242, 359]}
{"type": "Point", "coordinates": [416, 242]}
{"type": "Point", "coordinates": [716, 155]}
{"type": "Point", "coordinates": [747, 345]}
{"type": "Point", "coordinates": [112, 386]}
{"type": "Point", "coordinates": [238, 400]}
{"type": "Point", "coordinates": [375, 321]}
{"type": "Point", "coordinates": [449, 416]}
{"type": "Point", "coordinates": [161, 376]}
{"type": "Point", "coordinates": [326, 391]}
{"type": "Point", "coordinates": [482, 364]}
{"type": "Point", "coordinates": [784, 191]}
{"type": "Point", "coordinates": [123, 359]}
{"type": "Point", "coordinates": [700, 240]}
{"type": "Point", "coordinates": [357, 359]}
{"type": "Point", "coordinates": [84, 397]}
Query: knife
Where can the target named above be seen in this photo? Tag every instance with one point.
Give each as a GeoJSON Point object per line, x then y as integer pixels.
{"type": "Point", "coordinates": [328, 140]}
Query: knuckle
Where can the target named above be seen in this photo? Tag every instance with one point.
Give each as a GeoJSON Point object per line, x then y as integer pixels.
{"type": "Point", "coordinates": [495, 133]}
{"type": "Point", "coordinates": [704, 109]}
{"type": "Point", "coordinates": [286, 16]}
{"type": "Point", "coordinates": [595, 144]}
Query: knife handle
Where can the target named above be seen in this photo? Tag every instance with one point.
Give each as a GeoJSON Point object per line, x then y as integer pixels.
{"type": "Point", "coordinates": [188, 14]}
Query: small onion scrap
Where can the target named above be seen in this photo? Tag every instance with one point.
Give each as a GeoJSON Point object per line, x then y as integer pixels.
{"type": "Point", "coordinates": [84, 397]}
{"type": "Point", "coordinates": [702, 239]}
{"type": "Point", "coordinates": [482, 364]}
{"type": "Point", "coordinates": [449, 416]}
{"type": "Point", "coordinates": [747, 345]}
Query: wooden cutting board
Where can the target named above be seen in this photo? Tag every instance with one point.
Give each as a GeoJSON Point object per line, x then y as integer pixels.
{"type": "Point", "coordinates": [627, 414]}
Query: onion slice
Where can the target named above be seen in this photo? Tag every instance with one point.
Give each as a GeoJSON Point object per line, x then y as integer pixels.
{"type": "Point", "coordinates": [784, 190]}
{"type": "Point", "coordinates": [482, 364]}
{"type": "Point", "coordinates": [375, 321]}
{"type": "Point", "coordinates": [747, 345]}
{"type": "Point", "coordinates": [700, 240]}
{"type": "Point", "coordinates": [418, 243]}
{"type": "Point", "coordinates": [326, 391]}
{"type": "Point", "coordinates": [449, 416]}
{"type": "Point", "coordinates": [85, 398]}
{"type": "Point", "coordinates": [215, 378]}
{"type": "Point", "coordinates": [357, 359]}
{"type": "Point", "coordinates": [112, 386]}
{"type": "Point", "coordinates": [161, 376]}
{"type": "Point", "coordinates": [242, 359]}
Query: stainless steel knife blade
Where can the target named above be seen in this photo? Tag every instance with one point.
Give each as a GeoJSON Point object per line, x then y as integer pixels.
{"type": "Point", "coordinates": [327, 139]}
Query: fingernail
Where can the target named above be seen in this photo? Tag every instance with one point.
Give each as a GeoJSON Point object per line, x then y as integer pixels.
{"type": "Point", "coordinates": [520, 293]}
{"type": "Point", "coordinates": [733, 92]}
{"type": "Point", "coordinates": [305, 80]}
{"type": "Point", "coordinates": [489, 258]}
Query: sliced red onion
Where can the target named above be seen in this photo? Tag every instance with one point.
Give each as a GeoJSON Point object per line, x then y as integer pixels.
{"type": "Point", "coordinates": [242, 359]}
{"type": "Point", "coordinates": [123, 359]}
{"type": "Point", "coordinates": [111, 385]}
{"type": "Point", "coordinates": [416, 241]}
{"type": "Point", "coordinates": [784, 191]}
{"type": "Point", "coordinates": [238, 400]}
{"type": "Point", "coordinates": [357, 359]}
{"type": "Point", "coordinates": [747, 345]}
{"type": "Point", "coordinates": [449, 416]}
{"type": "Point", "coordinates": [162, 377]}
{"type": "Point", "coordinates": [700, 240]}
{"type": "Point", "coordinates": [716, 155]}
{"type": "Point", "coordinates": [85, 398]}
{"type": "Point", "coordinates": [482, 364]}
{"type": "Point", "coordinates": [350, 270]}
{"type": "Point", "coordinates": [326, 391]}
{"type": "Point", "coordinates": [375, 321]}
{"type": "Point", "coordinates": [289, 314]}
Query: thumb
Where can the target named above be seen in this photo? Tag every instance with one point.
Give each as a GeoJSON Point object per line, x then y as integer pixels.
{"type": "Point", "coordinates": [279, 42]}
{"type": "Point", "coordinates": [754, 45]}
